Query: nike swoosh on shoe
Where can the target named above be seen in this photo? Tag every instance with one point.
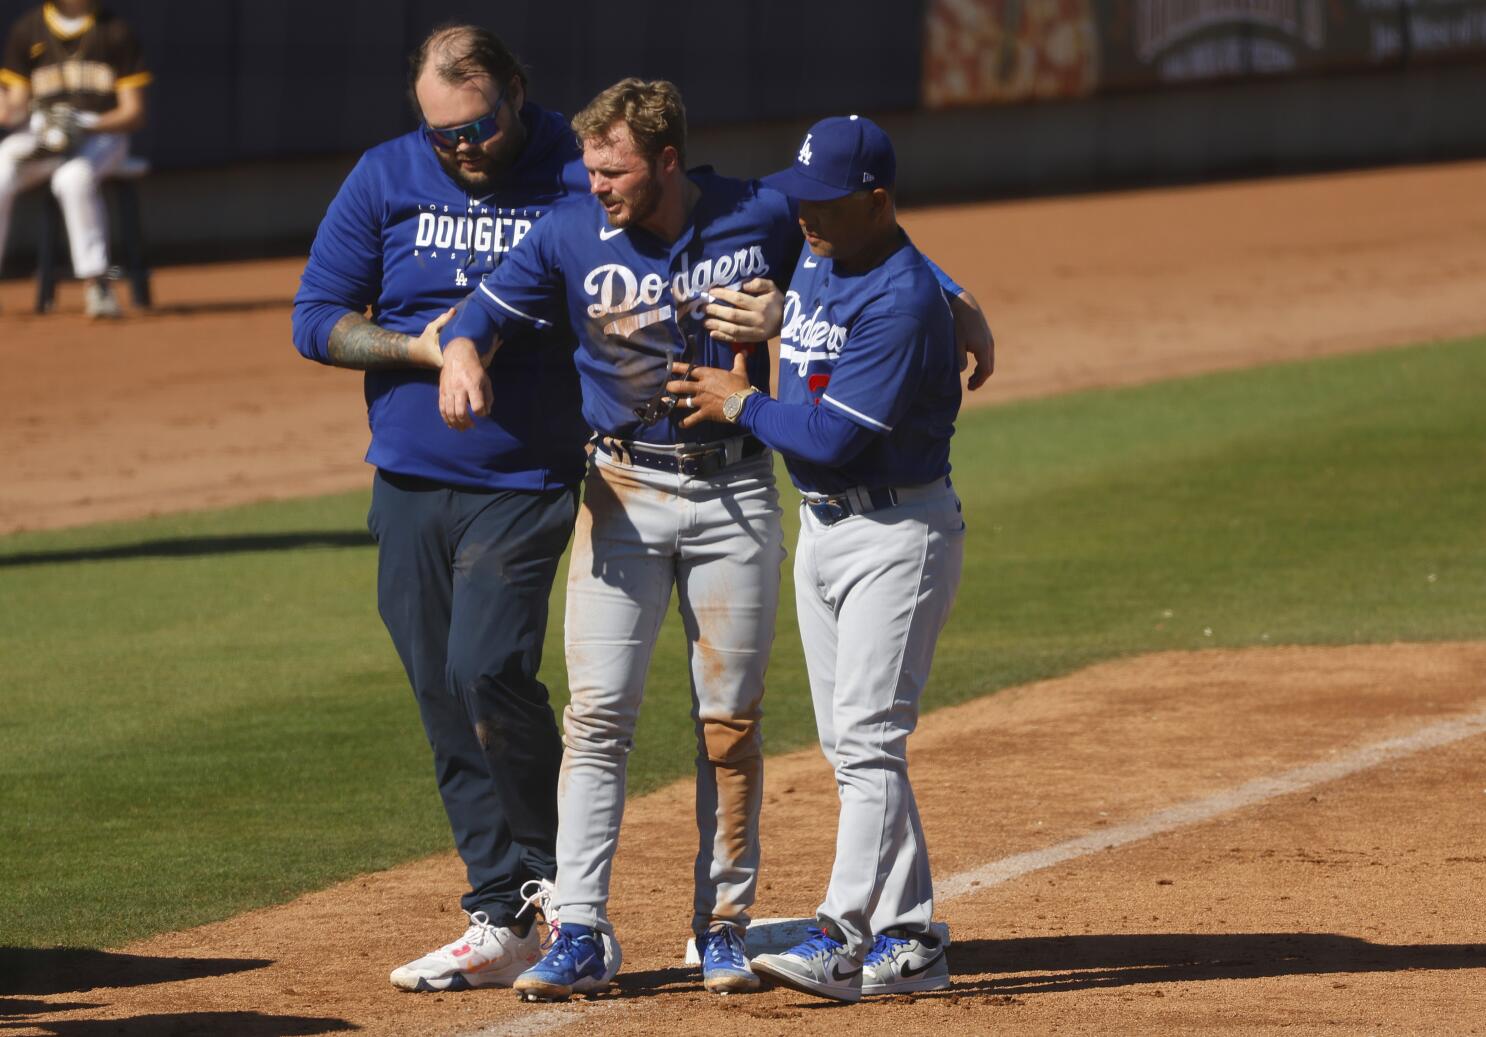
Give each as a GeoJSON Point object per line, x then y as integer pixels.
{"type": "Point", "coordinates": [909, 971]}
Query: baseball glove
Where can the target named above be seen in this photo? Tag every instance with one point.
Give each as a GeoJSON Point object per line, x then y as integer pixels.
{"type": "Point", "coordinates": [58, 129]}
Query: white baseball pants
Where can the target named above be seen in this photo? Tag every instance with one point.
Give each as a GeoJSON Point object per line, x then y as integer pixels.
{"type": "Point", "coordinates": [718, 541]}
{"type": "Point", "coordinates": [873, 592]}
{"type": "Point", "coordinates": [76, 181]}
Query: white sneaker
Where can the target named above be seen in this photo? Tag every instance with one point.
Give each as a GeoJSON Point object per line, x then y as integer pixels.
{"type": "Point", "coordinates": [820, 965]}
{"type": "Point", "coordinates": [101, 303]}
{"type": "Point", "coordinates": [904, 963]}
{"type": "Point", "coordinates": [485, 956]}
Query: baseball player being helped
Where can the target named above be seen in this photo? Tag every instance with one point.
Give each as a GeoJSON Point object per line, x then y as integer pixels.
{"type": "Point", "coordinates": [868, 393]}
{"type": "Point", "coordinates": [635, 272]}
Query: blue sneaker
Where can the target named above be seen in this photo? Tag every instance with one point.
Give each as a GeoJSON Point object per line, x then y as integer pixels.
{"type": "Point", "coordinates": [820, 965]}
{"type": "Point", "coordinates": [905, 963]}
{"type": "Point", "coordinates": [576, 963]}
{"type": "Point", "coordinates": [725, 967]}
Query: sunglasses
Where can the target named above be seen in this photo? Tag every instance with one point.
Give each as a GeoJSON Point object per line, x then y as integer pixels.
{"type": "Point", "coordinates": [475, 133]}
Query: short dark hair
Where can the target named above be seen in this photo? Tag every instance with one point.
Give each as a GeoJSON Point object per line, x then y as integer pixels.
{"type": "Point", "coordinates": [461, 53]}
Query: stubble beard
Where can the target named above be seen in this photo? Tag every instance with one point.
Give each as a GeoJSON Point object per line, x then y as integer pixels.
{"type": "Point", "coordinates": [479, 182]}
{"type": "Point", "coordinates": [646, 201]}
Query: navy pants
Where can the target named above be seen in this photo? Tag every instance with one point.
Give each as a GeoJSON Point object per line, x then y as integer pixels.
{"type": "Point", "coordinates": [463, 579]}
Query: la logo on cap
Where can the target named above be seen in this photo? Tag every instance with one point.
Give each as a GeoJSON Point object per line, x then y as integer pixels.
{"type": "Point", "coordinates": [839, 156]}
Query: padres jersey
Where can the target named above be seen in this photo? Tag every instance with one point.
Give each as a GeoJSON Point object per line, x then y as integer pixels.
{"type": "Point", "coordinates": [403, 238]}
{"type": "Point", "coordinates": [636, 302]}
{"type": "Point", "coordinates": [84, 67]}
{"type": "Point", "coordinates": [879, 349]}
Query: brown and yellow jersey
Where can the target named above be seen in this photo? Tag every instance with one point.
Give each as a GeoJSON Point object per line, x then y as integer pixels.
{"type": "Point", "coordinates": [84, 65]}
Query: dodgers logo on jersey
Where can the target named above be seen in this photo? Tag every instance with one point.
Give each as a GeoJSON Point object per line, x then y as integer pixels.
{"type": "Point", "coordinates": [482, 234]}
{"type": "Point", "coordinates": [618, 291]}
{"type": "Point", "coordinates": [806, 338]}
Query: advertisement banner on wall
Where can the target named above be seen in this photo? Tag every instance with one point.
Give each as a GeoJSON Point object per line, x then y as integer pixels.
{"type": "Point", "coordinates": [991, 51]}
{"type": "Point", "coordinates": [994, 51]}
{"type": "Point", "coordinates": [1147, 43]}
{"type": "Point", "coordinates": [1444, 30]}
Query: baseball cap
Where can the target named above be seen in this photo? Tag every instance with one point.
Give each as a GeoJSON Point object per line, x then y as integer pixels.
{"type": "Point", "coordinates": [839, 156]}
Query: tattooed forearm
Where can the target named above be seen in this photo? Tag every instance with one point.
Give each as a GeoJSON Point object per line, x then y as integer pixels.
{"type": "Point", "coordinates": [357, 342]}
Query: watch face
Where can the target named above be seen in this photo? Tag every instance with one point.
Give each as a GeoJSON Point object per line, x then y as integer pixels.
{"type": "Point", "coordinates": [732, 407]}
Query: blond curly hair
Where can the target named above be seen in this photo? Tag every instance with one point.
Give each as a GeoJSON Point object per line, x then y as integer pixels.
{"type": "Point", "coordinates": [652, 110]}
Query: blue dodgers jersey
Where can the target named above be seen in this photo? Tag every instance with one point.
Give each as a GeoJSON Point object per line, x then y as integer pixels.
{"type": "Point", "coordinates": [406, 240]}
{"type": "Point", "coordinates": [635, 301]}
{"type": "Point", "coordinates": [879, 348]}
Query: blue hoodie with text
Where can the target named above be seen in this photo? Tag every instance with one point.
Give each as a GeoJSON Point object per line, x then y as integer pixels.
{"type": "Point", "coordinates": [404, 239]}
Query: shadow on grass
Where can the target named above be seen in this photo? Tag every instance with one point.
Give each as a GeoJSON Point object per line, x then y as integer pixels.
{"type": "Point", "coordinates": [190, 1024]}
{"type": "Point", "coordinates": [190, 547]}
{"type": "Point", "coordinates": [64, 970]}
{"type": "Point", "coordinates": [1102, 962]}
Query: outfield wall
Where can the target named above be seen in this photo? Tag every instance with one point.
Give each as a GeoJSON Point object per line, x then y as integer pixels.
{"type": "Point", "coordinates": [260, 106]}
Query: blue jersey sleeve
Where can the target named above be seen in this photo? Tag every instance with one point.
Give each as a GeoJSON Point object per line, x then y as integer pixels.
{"type": "Point", "coordinates": [945, 281]}
{"type": "Point", "coordinates": [526, 289]}
{"type": "Point", "coordinates": [344, 272]}
{"type": "Point", "coordinates": [878, 374]}
{"type": "Point", "coordinates": [818, 435]}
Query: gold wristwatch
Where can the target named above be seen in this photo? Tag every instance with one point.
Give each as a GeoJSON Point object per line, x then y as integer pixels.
{"type": "Point", "coordinates": [732, 407]}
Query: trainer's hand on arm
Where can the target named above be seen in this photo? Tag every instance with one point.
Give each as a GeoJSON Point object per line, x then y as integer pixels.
{"type": "Point", "coordinates": [464, 386]}
{"type": "Point", "coordinates": [753, 315]}
{"type": "Point", "coordinates": [424, 350]}
{"type": "Point", "coordinates": [973, 335]}
{"type": "Point", "coordinates": [703, 390]}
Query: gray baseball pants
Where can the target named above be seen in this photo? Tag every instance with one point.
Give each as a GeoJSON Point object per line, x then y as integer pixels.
{"type": "Point", "coordinates": [873, 592]}
{"type": "Point", "coordinates": [718, 541]}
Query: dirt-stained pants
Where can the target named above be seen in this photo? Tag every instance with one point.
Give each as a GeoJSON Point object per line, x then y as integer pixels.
{"type": "Point", "coordinates": [718, 541]}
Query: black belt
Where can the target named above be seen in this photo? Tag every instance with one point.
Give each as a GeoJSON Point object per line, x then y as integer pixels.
{"type": "Point", "coordinates": [698, 460]}
{"type": "Point", "coordinates": [859, 500]}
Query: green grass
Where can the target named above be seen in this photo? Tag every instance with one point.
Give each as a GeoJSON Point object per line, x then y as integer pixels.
{"type": "Point", "coordinates": [203, 714]}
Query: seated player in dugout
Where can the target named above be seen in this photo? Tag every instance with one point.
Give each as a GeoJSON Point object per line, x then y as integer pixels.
{"type": "Point", "coordinates": [73, 86]}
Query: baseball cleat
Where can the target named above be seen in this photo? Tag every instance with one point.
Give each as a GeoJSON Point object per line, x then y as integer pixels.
{"type": "Point", "coordinates": [725, 968]}
{"type": "Point", "coordinates": [100, 303]}
{"type": "Point", "coordinates": [579, 961]}
{"type": "Point", "coordinates": [904, 963]}
{"type": "Point", "coordinates": [485, 956]}
{"type": "Point", "coordinates": [820, 965]}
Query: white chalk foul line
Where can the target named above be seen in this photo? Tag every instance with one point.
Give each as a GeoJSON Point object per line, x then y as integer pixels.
{"type": "Point", "coordinates": [1198, 810]}
{"type": "Point", "coordinates": [555, 1017]}
{"type": "Point", "coordinates": [546, 1019]}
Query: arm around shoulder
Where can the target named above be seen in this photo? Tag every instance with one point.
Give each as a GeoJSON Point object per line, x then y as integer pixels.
{"type": "Point", "coordinates": [973, 335]}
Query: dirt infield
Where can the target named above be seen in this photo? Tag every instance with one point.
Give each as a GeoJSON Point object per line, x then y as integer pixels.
{"type": "Point", "coordinates": [1348, 905]}
{"type": "Point", "coordinates": [204, 402]}
{"type": "Point", "coordinates": [1182, 843]}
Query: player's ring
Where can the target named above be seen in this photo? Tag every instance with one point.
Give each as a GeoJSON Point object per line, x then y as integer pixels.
{"type": "Point", "coordinates": [691, 401]}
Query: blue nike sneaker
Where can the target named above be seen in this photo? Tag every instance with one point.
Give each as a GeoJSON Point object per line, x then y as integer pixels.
{"type": "Point", "coordinates": [580, 961]}
{"type": "Point", "coordinates": [819, 965]}
{"type": "Point", "coordinates": [725, 967]}
{"type": "Point", "coordinates": [905, 963]}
